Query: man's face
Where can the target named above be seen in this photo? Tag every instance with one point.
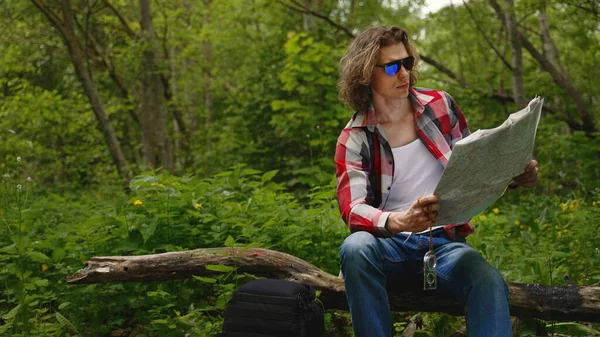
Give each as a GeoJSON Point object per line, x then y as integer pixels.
{"type": "Point", "coordinates": [395, 86]}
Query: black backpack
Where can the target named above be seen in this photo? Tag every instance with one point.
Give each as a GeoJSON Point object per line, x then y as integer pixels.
{"type": "Point", "coordinates": [273, 308]}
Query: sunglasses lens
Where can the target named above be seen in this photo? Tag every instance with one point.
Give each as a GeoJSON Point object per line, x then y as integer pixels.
{"type": "Point", "coordinates": [392, 69]}
{"type": "Point", "coordinates": [408, 62]}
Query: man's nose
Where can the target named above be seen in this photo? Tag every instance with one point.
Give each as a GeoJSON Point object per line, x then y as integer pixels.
{"type": "Point", "coordinates": [403, 72]}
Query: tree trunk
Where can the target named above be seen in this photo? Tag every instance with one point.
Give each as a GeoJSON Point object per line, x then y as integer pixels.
{"type": "Point", "coordinates": [517, 55]}
{"type": "Point", "coordinates": [309, 22]}
{"type": "Point", "coordinates": [550, 51]}
{"type": "Point", "coordinates": [66, 27]}
{"type": "Point", "coordinates": [156, 143]}
{"type": "Point", "coordinates": [568, 303]}
{"type": "Point", "coordinates": [457, 39]}
{"type": "Point", "coordinates": [208, 103]}
{"type": "Point", "coordinates": [189, 93]}
{"type": "Point", "coordinates": [179, 127]}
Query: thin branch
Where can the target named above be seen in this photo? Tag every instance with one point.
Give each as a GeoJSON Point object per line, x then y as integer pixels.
{"type": "Point", "coordinates": [86, 33]}
{"type": "Point", "coordinates": [303, 9]}
{"type": "Point", "coordinates": [100, 56]}
{"type": "Point", "coordinates": [128, 29]}
{"type": "Point", "coordinates": [443, 69]}
{"type": "Point", "coordinates": [595, 9]}
{"type": "Point", "coordinates": [490, 44]}
{"type": "Point", "coordinates": [52, 17]}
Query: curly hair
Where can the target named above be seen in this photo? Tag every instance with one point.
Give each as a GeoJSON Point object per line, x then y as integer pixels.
{"type": "Point", "coordinates": [358, 64]}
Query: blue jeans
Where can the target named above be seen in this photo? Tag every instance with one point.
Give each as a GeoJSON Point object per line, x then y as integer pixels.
{"type": "Point", "coordinates": [368, 262]}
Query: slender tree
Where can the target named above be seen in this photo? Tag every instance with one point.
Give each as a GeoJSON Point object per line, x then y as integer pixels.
{"type": "Point", "coordinates": [66, 27]}
{"type": "Point", "coordinates": [517, 55]}
{"type": "Point", "coordinates": [208, 51]}
{"type": "Point", "coordinates": [156, 142]}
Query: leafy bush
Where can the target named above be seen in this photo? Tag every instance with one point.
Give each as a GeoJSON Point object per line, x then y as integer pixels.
{"type": "Point", "coordinates": [163, 213]}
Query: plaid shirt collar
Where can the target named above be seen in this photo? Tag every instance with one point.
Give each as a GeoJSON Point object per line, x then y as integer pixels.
{"type": "Point", "coordinates": [369, 119]}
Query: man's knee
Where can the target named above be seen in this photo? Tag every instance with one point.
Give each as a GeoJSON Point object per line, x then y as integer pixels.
{"type": "Point", "coordinates": [490, 279]}
{"type": "Point", "coordinates": [358, 245]}
{"type": "Point", "coordinates": [494, 280]}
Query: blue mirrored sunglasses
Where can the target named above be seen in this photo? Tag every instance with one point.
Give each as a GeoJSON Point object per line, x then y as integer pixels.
{"type": "Point", "coordinates": [392, 68]}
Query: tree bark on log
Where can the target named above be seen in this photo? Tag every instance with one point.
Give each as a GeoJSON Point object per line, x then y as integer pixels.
{"type": "Point", "coordinates": [566, 303]}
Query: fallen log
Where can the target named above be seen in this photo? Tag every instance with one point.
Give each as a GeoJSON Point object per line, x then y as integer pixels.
{"type": "Point", "coordinates": [560, 303]}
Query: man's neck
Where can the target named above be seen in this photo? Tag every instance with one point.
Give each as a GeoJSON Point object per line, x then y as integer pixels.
{"type": "Point", "coordinates": [390, 110]}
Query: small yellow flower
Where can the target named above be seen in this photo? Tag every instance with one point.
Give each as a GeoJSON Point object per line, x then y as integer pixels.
{"type": "Point", "coordinates": [563, 206]}
{"type": "Point", "coordinates": [137, 202]}
{"type": "Point", "coordinates": [197, 205]}
{"type": "Point", "coordinates": [157, 184]}
{"type": "Point", "coordinates": [517, 222]}
{"type": "Point", "coordinates": [44, 268]}
{"type": "Point", "coordinates": [529, 229]}
{"type": "Point", "coordinates": [522, 227]}
{"type": "Point", "coordinates": [536, 220]}
{"type": "Point", "coordinates": [496, 210]}
{"type": "Point", "coordinates": [559, 233]}
{"type": "Point", "coordinates": [594, 204]}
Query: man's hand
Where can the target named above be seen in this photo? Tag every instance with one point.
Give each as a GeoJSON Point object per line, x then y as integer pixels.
{"type": "Point", "coordinates": [416, 218]}
{"type": "Point", "coordinates": [529, 177]}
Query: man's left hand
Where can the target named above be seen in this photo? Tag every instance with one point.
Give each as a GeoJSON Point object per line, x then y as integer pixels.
{"type": "Point", "coordinates": [529, 177]}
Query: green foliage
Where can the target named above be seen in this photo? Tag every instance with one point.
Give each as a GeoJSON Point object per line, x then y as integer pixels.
{"type": "Point", "coordinates": [310, 117]}
{"type": "Point", "coordinates": [45, 242]}
{"type": "Point", "coordinates": [537, 241]}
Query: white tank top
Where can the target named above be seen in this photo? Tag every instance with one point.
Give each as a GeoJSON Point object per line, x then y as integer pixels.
{"type": "Point", "coordinates": [416, 174]}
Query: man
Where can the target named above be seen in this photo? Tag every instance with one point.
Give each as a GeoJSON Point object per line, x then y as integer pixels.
{"type": "Point", "coordinates": [389, 159]}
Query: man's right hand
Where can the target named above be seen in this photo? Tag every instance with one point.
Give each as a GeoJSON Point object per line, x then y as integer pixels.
{"type": "Point", "coordinates": [416, 218]}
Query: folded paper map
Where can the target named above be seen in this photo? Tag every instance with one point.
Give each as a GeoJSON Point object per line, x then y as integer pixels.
{"type": "Point", "coordinates": [484, 163]}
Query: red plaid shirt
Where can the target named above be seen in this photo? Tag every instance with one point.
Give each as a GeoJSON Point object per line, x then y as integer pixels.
{"type": "Point", "coordinates": [440, 124]}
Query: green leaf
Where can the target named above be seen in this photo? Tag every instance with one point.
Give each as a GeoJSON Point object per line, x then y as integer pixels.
{"type": "Point", "coordinates": [147, 230]}
{"type": "Point", "coordinates": [58, 254]}
{"type": "Point", "coordinates": [205, 279]}
{"type": "Point", "coordinates": [41, 282]}
{"type": "Point", "coordinates": [221, 301]}
{"type": "Point", "coordinates": [37, 256]}
{"type": "Point", "coordinates": [12, 313]}
{"type": "Point", "coordinates": [12, 249]}
{"type": "Point", "coordinates": [220, 268]}
{"type": "Point", "coordinates": [63, 305]}
{"type": "Point", "coordinates": [268, 176]}
{"type": "Point", "coordinates": [570, 326]}
{"type": "Point", "coordinates": [229, 242]}
{"type": "Point", "coordinates": [64, 321]}
{"type": "Point", "coordinates": [249, 172]}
